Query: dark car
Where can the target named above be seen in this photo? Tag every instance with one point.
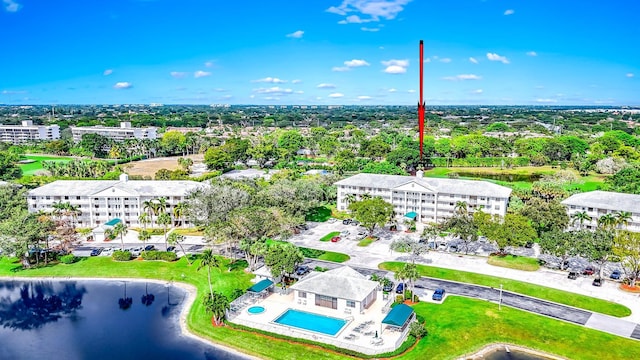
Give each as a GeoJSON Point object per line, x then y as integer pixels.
{"type": "Point", "coordinates": [616, 275]}
{"type": "Point", "coordinates": [588, 271]}
{"type": "Point", "coordinates": [400, 288]}
{"type": "Point", "coordinates": [96, 251]}
{"type": "Point", "coordinates": [346, 221]}
{"type": "Point", "coordinates": [302, 227]}
{"type": "Point", "coordinates": [171, 248]}
{"type": "Point", "coordinates": [388, 286]}
{"type": "Point", "coordinates": [301, 270]}
{"type": "Point", "coordinates": [438, 295]}
{"type": "Point", "coordinates": [573, 275]}
{"type": "Point", "coordinates": [528, 245]}
{"type": "Point", "coordinates": [149, 248]}
{"type": "Point", "coordinates": [355, 223]}
{"type": "Point", "coordinates": [597, 282]}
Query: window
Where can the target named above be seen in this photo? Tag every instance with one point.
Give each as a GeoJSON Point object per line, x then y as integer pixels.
{"type": "Point", "coordinates": [302, 294]}
{"type": "Point", "coordinates": [351, 303]}
{"type": "Point", "coordinates": [326, 301]}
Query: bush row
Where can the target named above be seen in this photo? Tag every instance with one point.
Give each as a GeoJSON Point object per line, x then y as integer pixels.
{"type": "Point", "coordinates": [159, 255]}
{"type": "Point", "coordinates": [120, 255]}
{"type": "Point", "coordinates": [69, 259]}
{"type": "Point", "coordinates": [480, 161]}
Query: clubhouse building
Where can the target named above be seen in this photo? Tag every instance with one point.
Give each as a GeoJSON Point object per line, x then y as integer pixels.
{"type": "Point", "coordinates": [101, 201]}
{"type": "Point", "coordinates": [598, 203]}
{"type": "Point", "coordinates": [27, 133]}
{"type": "Point", "coordinates": [425, 199]}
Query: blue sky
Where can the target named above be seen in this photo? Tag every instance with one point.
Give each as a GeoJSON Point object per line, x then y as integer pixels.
{"type": "Point", "coordinates": [319, 52]}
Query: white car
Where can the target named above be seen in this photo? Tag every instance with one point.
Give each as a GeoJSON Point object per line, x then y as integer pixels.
{"type": "Point", "coordinates": [107, 251]}
{"type": "Point", "coordinates": [344, 233]}
{"type": "Point", "coordinates": [331, 220]}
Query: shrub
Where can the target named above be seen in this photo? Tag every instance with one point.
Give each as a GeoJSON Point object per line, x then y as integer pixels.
{"type": "Point", "coordinates": [417, 330]}
{"type": "Point", "coordinates": [416, 298]}
{"type": "Point", "coordinates": [69, 259]}
{"type": "Point", "coordinates": [236, 293]}
{"type": "Point", "coordinates": [320, 269]}
{"type": "Point", "coordinates": [120, 255]}
{"type": "Point", "coordinates": [408, 295]}
{"type": "Point", "coordinates": [159, 255]}
{"type": "Point", "coordinates": [399, 299]}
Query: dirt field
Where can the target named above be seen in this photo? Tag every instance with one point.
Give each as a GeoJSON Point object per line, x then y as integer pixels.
{"type": "Point", "coordinates": [150, 166]}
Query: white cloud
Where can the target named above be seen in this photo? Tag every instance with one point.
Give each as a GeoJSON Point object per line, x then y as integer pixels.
{"type": "Point", "coordinates": [273, 90]}
{"type": "Point", "coordinates": [395, 69]}
{"type": "Point", "coordinates": [532, 53]}
{"type": "Point", "coordinates": [296, 34]}
{"type": "Point", "coordinates": [462, 77]}
{"type": "Point", "coordinates": [340, 68]}
{"type": "Point", "coordinates": [395, 66]}
{"type": "Point", "coordinates": [401, 63]}
{"type": "Point", "coordinates": [477, 91]}
{"type": "Point", "coordinates": [270, 80]}
{"type": "Point", "coordinates": [411, 91]}
{"type": "Point", "coordinates": [364, 97]}
{"type": "Point", "coordinates": [392, 90]}
{"type": "Point", "coordinates": [356, 63]}
{"type": "Point", "coordinates": [13, 92]}
{"type": "Point", "coordinates": [427, 60]}
{"type": "Point", "coordinates": [546, 101]}
{"type": "Point", "coordinates": [326, 86]}
{"type": "Point", "coordinates": [200, 73]}
{"type": "Point", "coordinates": [336, 95]}
{"type": "Point", "coordinates": [227, 97]}
{"type": "Point", "coordinates": [630, 75]}
{"type": "Point", "coordinates": [219, 90]}
{"type": "Point", "coordinates": [369, 29]}
{"type": "Point", "coordinates": [296, 81]}
{"type": "Point", "coordinates": [123, 85]}
{"type": "Point", "coordinates": [11, 6]}
{"type": "Point", "coordinates": [445, 60]}
{"type": "Point", "coordinates": [374, 10]}
{"type": "Point", "coordinates": [299, 92]}
{"type": "Point", "coordinates": [208, 64]}
{"type": "Point", "coordinates": [509, 12]}
{"type": "Point", "coordinates": [107, 72]}
{"type": "Point", "coordinates": [271, 98]}
{"type": "Point", "coordinates": [473, 60]}
{"type": "Point", "coordinates": [178, 74]}
{"type": "Point", "coordinates": [496, 57]}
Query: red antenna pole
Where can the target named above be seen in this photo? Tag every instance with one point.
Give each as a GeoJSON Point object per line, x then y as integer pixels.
{"type": "Point", "coordinates": [421, 102]}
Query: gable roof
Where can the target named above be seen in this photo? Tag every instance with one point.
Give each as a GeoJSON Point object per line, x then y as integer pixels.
{"type": "Point", "coordinates": [260, 286]}
{"type": "Point", "coordinates": [447, 186]}
{"type": "Point", "coordinates": [398, 316]}
{"type": "Point", "coordinates": [343, 283]}
{"type": "Point", "coordinates": [605, 200]}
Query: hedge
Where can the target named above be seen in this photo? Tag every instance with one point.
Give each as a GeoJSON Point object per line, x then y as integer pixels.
{"type": "Point", "coordinates": [480, 161]}
{"type": "Point", "coordinates": [69, 259]}
{"type": "Point", "coordinates": [120, 255]}
{"type": "Point", "coordinates": [159, 255]}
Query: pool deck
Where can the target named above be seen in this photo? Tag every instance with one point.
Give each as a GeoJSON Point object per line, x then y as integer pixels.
{"type": "Point", "coordinates": [276, 304]}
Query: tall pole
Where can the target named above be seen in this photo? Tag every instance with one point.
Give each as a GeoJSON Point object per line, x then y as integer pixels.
{"type": "Point", "coordinates": [500, 302]}
{"type": "Point", "coordinates": [421, 101]}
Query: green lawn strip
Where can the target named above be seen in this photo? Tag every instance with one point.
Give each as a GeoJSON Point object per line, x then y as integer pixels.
{"type": "Point", "coordinates": [515, 262]}
{"type": "Point", "coordinates": [318, 214]}
{"type": "Point", "coordinates": [329, 236]}
{"type": "Point", "coordinates": [32, 168]}
{"type": "Point", "coordinates": [366, 241]}
{"type": "Point", "coordinates": [189, 232]}
{"type": "Point", "coordinates": [462, 326]}
{"type": "Point", "coordinates": [541, 292]}
{"type": "Point", "coordinates": [324, 255]}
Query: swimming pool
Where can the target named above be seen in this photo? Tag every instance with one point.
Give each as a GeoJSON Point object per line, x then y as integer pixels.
{"type": "Point", "coordinates": [255, 310]}
{"type": "Point", "coordinates": [311, 322]}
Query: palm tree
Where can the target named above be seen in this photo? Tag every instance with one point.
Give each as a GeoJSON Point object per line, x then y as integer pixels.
{"type": "Point", "coordinates": [148, 207]}
{"type": "Point", "coordinates": [580, 217]}
{"type": "Point", "coordinates": [161, 205]}
{"type": "Point", "coordinates": [165, 220]}
{"type": "Point", "coordinates": [401, 275]}
{"type": "Point", "coordinates": [120, 229]}
{"type": "Point", "coordinates": [460, 208]}
{"type": "Point", "coordinates": [350, 198]}
{"type": "Point", "coordinates": [607, 221]}
{"type": "Point", "coordinates": [144, 236]}
{"type": "Point", "coordinates": [144, 220]}
{"type": "Point", "coordinates": [623, 218]}
{"type": "Point", "coordinates": [177, 239]}
{"type": "Point", "coordinates": [179, 210]}
{"type": "Point", "coordinates": [217, 304]}
{"type": "Point", "coordinates": [411, 274]}
{"type": "Point", "coordinates": [208, 260]}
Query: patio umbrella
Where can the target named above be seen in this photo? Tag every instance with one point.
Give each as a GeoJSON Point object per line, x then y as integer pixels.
{"type": "Point", "coordinates": [376, 334]}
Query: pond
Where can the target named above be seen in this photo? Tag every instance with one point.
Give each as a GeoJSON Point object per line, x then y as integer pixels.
{"type": "Point", "coordinates": [96, 320]}
{"type": "Point", "coordinates": [501, 177]}
{"type": "Point", "coordinates": [513, 355]}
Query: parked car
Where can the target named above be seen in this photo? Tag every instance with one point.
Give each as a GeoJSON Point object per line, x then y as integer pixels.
{"type": "Point", "coordinates": [107, 251]}
{"type": "Point", "coordinates": [302, 270]}
{"type": "Point", "coordinates": [355, 223]}
{"type": "Point", "coordinates": [400, 288]}
{"type": "Point", "coordinates": [597, 282]}
{"type": "Point", "coordinates": [346, 221]}
{"type": "Point", "coordinates": [171, 248]}
{"type": "Point", "coordinates": [388, 286]}
{"type": "Point", "coordinates": [588, 271]}
{"type": "Point", "coordinates": [616, 275]}
{"type": "Point", "coordinates": [331, 220]}
{"type": "Point", "coordinates": [438, 295]}
{"type": "Point", "coordinates": [528, 245]}
{"type": "Point", "coordinates": [302, 227]}
{"type": "Point", "coordinates": [96, 251]}
{"type": "Point", "coordinates": [573, 275]}
{"type": "Point", "coordinates": [149, 247]}
{"type": "Point", "coordinates": [345, 233]}
{"type": "Point", "coordinates": [135, 252]}
{"type": "Point", "coordinates": [335, 239]}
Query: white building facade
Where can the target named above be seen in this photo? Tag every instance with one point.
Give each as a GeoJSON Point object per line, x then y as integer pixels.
{"type": "Point", "coordinates": [598, 203]}
{"type": "Point", "coordinates": [431, 199]}
{"type": "Point", "coordinates": [122, 133]}
{"type": "Point", "coordinates": [100, 201]}
{"type": "Point", "coordinates": [28, 133]}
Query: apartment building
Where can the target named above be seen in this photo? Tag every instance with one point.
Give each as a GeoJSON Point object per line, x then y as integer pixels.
{"type": "Point", "coordinates": [27, 133]}
{"type": "Point", "coordinates": [100, 201]}
{"type": "Point", "coordinates": [425, 199]}
{"type": "Point", "coordinates": [598, 203]}
{"type": "Point", "coordinates": [122, 133]}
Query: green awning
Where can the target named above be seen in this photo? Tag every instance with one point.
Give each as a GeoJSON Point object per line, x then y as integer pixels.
{"type": "Point", "coordinates": [398, 316]}
{"type": "Point", "coordinates": [411, 215]}
{"type": "Point", "coordinates": [260, 286]}
{"type": "Point", "coordinates": [113, 222]}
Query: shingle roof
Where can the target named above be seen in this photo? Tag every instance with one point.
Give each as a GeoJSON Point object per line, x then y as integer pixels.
{"type": "Point", "coordinates": [605, 200]}
{"type": "Point", "coordinates": [447, 186]}
{"type": "Point", "coordinates": [140, 187]}
{"type": "Point", "coordinates": [342, 283]}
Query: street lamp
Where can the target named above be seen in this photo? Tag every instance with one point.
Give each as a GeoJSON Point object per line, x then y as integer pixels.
{"type": "Point", "coordinates": [500, 301]}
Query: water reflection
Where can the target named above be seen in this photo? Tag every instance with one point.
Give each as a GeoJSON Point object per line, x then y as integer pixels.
{"type": "Point", "coordinates": [125, 302]}
{"type": "Point", "coordinates": [37, 304]}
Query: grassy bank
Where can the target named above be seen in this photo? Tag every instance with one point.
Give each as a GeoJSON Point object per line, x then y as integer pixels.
{"type": "Point", "coordinates": [541, 292]}
{"type": "Point", "coordinates": [456, 327]}
{"type": "Point", "coordinates": [515, 262]}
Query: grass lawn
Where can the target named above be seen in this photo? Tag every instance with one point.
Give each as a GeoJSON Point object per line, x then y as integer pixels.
{"type": "Point", "coordinates": [329, 236]}
{"type": "Point", "coordinates": [32, 168]}
{"type": "Point", "coordinates": [515, 262]}
{"type": "Point", "coordinates": [456, 327]}
{"type": "Point", "coordinates": [318, 214]}
{"type": "Point", "coordinates": [189, 232]}
{"type": "Point", "coordinates": [325, 255]}
{"type": "Point", "coordinates": [152, 231]}
{"type": "Point", "coordinates": [367, 241]}
{"type": "Point", "coordinates": [541, 292]}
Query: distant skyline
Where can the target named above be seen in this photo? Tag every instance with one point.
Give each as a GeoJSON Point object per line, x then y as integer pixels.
{"type": "Point", "coordinates": [323, 52]}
